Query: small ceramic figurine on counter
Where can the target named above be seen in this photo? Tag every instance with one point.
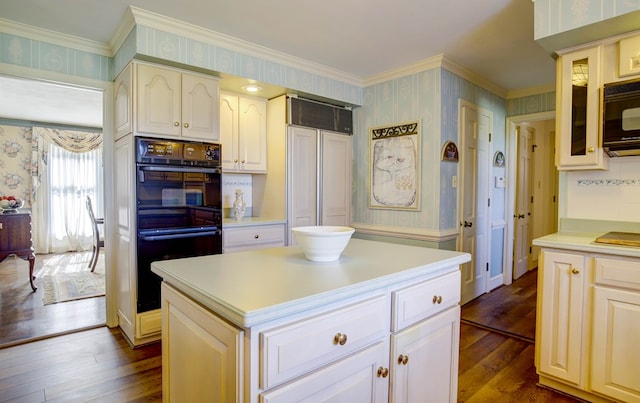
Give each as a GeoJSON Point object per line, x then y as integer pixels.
{"type": "Point", "coordinates": [239, 205]}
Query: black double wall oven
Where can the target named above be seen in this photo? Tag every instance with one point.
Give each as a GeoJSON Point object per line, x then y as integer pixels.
{"type": "Point", "coordinates": [179, 207]}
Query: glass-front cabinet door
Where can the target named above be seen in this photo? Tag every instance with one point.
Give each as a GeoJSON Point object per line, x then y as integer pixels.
{"type": "Point", "coordinates": [578, 132]}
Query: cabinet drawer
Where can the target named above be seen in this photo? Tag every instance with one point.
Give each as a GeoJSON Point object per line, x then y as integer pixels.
{"type": "Point", "coordinates": [297, 348]}
{"type": "Point", "coordinates": [618, 272]}
{"type": "Point", "coordinates": [419, 301]}
{"type": "Point", "coordinates": [252, 237]}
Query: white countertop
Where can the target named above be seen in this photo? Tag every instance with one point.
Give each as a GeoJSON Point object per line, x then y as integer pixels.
{"type": "Point", "coordinates": [249, 288]}
{"type": "Point", "coordinates": [584, 242]}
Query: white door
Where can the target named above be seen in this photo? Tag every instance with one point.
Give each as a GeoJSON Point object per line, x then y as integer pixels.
{"type": "Point", "coordinates": [472, 278]}
{"type": "Point", "coordinates": [522, 216]}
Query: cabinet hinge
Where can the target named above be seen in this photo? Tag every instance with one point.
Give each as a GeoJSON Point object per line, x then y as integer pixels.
{"type": "Point", "coordinates": [531, 199]}
{"type": "Point", "coordinates": [488, 202]}
{"type": "Point", "coordinates": [489, 137]}
{"type": "Point", "coordinates": [530, 250]}
{"type": "Point", "coordinates": [487, 266]}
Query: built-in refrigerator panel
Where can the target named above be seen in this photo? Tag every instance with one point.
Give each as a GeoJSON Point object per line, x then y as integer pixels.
{"type": "Point", "coordinates": [319, 164]}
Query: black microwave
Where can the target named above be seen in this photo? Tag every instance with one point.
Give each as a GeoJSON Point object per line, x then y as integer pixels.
{"type": "Point", "coordinates": [621, 118]}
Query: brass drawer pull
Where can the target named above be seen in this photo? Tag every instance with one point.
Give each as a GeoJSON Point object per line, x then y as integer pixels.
{"type": "Point", "coordinates": [383, 372]}
{"type": "Point", "coordinates": [403, 359]}
{"type": "Point", "coordinates": [437, 299]}
{"type": "Point", "coordinates": [340, 338]}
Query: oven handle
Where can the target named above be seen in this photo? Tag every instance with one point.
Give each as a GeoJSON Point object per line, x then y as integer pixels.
{"type": "Point", "coordinates": [180, 236]}
{"type": "Point", "coordinates": [169, 168]}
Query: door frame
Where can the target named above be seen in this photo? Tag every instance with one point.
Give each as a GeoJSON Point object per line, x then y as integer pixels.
{"type": "Point", "coordinates": [106, 87]}
{"type": "Point", "coordinates": [511, 163]}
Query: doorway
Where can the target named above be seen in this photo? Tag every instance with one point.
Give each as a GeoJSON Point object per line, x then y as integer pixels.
{"type": "Point", "coordinates": [532, 199]}
{"type": "Point", "coordinates": [33, 318]}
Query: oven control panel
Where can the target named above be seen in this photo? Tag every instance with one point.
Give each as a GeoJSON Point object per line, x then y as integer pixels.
{"type": "Point", "coordinates": [179, 153]}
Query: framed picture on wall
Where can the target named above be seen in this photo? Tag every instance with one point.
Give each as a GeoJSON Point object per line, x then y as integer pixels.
{"type": "Point", "coordinates": [394, 167]}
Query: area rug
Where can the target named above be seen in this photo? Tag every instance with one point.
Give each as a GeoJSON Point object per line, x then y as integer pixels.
{"type": "Point", "coordinates": [69, 278]}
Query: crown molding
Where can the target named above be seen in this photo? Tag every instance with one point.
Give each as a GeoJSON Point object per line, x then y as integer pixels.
{"type": "Point", "coordinates": [525, 92]}
{"type": "Point", "coordinates": [473, 77]}
{"type": "Point", "coordinates": [56, 38]}
{"type": "Point", "coordinates": [183, 29]}
{"type": "Point", "coordinates": [414, 68]}
{"type": "Point", "coordinates": [127, 24]}
{"type": "Point", "coordinates": [438, 61]}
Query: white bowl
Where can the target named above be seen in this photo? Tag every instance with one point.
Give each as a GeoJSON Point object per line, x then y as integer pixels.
{"type": "Point", "coordinates": [322, 243]}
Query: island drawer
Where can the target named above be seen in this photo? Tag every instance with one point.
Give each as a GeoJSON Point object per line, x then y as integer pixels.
{"type": "Point", "coordinates": [422, 300]}
{"type": "Point", "coordinates": [618, 272]}
{"type": "Point", "coordinates": [294, 349]}
{"type": "Point", "coordinates": [252, 237]}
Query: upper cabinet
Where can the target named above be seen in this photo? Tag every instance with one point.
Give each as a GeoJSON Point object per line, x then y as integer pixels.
{"type": "Point", "coordinates": [243, 133]}
{"type": "Point", "coordinates": [578, 137]}
{"type": "Point", "coordinates": [123, 111]}
{"type": "Point", "coordinates": [172, 103]}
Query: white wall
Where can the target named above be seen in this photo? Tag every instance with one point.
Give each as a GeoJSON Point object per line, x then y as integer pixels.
{"type": "Point", "coordinates": [612, 195]}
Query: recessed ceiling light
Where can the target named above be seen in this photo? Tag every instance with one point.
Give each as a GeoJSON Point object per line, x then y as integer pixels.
{"type": "Point", "coordinates": [252, 88]}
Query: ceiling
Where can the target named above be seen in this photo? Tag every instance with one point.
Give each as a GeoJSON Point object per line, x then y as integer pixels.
{"type": "Point", "coordinates": [362, 38]}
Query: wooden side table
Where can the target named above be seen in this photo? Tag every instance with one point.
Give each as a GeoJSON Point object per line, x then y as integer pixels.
{"type": "Point", "coordinates": [15, 239]}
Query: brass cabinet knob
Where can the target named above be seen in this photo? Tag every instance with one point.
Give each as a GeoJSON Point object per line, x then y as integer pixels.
{"type": "Point", "coordinates": [383, 372]}
{"type": "Point", "coordinates": [186, 125]}
{"type": "Point", "coordinates": [591, 149]}
{"type": "Point", "coordinates": [403, 359]}
{"type": "Point", "coordinates": [256, 236]}
{"type": "Point", "coordinates": [176, 124]}
{"type": "Point", "coordinates": [574, 270]}
{"type": "Point", "coordinates": [437, 299]}
{"type": "Point", "coordinates": [340, 338]}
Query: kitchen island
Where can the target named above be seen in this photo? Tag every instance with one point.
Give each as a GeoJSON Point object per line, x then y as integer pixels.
{"type": "Point", "coordinates": [270, 326]}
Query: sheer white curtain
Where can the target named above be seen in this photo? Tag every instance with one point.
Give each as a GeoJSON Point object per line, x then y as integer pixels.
{"type": "Point", "coordinates": [63, 181]}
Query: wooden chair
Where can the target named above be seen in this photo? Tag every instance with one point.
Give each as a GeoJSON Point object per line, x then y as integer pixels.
{"type": "Point", "coordinates": [97, 241]}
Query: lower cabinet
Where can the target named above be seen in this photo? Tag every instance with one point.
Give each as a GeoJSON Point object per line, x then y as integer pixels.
{"type": "Point", "coordinates": [249, 237]}
{"type": "Point", "coordinates": [201, 354]}
{"type": "Point", "coordinates": [353, 379]}
{"type": "Point", "coordinates": [424, 360]}
{"type": "Point", "coordinates": [616, 330]}
{"type": "Point", "coordinates": [352, 351]}
{"type": "Point", "coordinates": [561, 321]}
{"type": "Point", "coordinates": [588, 325]}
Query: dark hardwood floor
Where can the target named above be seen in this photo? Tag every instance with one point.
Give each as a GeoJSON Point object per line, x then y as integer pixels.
{"type": "Point", "coordinates": [99, 365]}
{"type": "Point", "coordinates": [24, 317]}
{"type": "Point", "coordinates": [508, 309]}
{"type": "Point", "coordinates": [93, 365]}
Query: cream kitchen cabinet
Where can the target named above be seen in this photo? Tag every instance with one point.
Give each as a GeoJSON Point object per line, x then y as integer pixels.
{"type": "Point", "coordinates": [243, 133]}
{"type": "Point", "coordinates": [123, 110]}
{"type": "Point", "coordinates": [201, 354]}
{"type": "Point", "coordinates": [562, 319]}
{"type": "Point", "coordinates": [380, 341]}
{"type": "Point", "coordinates": [616, 327]}
{"type": "Point", "coordinates": [236, 239]}
{"type": "Point", "coordinates": [175, 103]}
{"type": "Point", "coordinates": [587, 324]}
{"type": "Point", "coordinates": [578, 133]}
